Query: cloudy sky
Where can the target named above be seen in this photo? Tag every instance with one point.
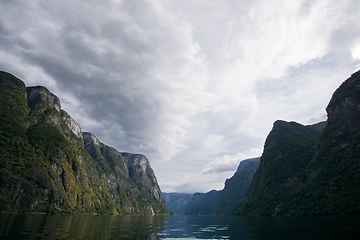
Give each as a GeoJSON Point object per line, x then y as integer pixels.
{"type": "Point", "coordinates": [195, 85]}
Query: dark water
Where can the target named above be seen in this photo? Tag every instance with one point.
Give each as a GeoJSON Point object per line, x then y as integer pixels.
{"type": "Point", "coordinates": [31, 226]}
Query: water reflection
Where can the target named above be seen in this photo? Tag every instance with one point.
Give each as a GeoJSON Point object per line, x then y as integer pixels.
{"type": "Point", "coordinates": [31, 226]}
{"type": "Point", "coordinates": [205, 227]}
{"type": "Point", "coordinates": [303, 227]}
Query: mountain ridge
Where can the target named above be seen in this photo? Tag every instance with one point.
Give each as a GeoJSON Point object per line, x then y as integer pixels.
{"type": "Point", "coordinates": [330, 179]}
{"type": "Point", "coordinates": [288, 149]}
{"type": "Point", "coordinates": [222, 202]}
{"type": "Point", "coordinates": [49, 165]}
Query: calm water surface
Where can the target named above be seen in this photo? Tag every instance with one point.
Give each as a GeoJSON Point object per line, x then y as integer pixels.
{"type": "Point", "coordinates": [32, 226]}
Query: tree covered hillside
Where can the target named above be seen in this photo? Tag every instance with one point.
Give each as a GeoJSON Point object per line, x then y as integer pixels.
{"type": "Point", "coordinates": [45, 166]}
{"type": "Point", "coordinates": [303, 173]}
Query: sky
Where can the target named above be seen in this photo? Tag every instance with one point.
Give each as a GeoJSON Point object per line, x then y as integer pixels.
{"type": "Point", "coordinates": [195, 85]}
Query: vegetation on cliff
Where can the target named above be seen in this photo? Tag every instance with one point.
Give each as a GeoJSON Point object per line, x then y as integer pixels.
{"type": "Point", "coordinates": [300, 175]}
{"type": "Point", "coordinates": [334, 174]}
{"type": "Point", "coordinates": [288, 149]}
{"type": "Point", "coordinates": [45, 167]}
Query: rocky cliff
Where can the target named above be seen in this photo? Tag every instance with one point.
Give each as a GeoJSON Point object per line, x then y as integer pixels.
{"type": "Point", "coordinates": [222, 202]}
{"type": "Point", "coordinates": [334, 174]}
{"type": "Point", "coordinates": [237, 186]}
{"type": "Point", "coordinates": [288, 149]}
{"type": "Point", "coordinates": [48, 164]}
{"type": "Point", "coordinates": [301, 176]}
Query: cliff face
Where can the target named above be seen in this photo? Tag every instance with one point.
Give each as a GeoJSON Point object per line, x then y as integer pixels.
{"type": "Point", "coordinates": [132, 167]}
{"type": "Point", "coordinates": [142, 174]}
{"type": "Point", "coordinates": [288, 149]}
{"type": "Point", "coordinates": [237, 186]}
{"type": "Point", "coordinates": [343, 122]}
{"type": "Point", "coordinates": [222, 202]}
{"type": "Point", "coordinates": [40, 98]}
{"type": "Point", "coordinates": [296, 178]}
{"type": "Point", "coordinates": [72, 125]}
{"type": "Point", "coordinates": [48, 164]}
{"type": "Point", "coordinates": [334, 173]}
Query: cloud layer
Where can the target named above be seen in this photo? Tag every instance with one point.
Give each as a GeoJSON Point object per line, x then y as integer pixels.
{"type": "Point", "coordinates": [195, 86]}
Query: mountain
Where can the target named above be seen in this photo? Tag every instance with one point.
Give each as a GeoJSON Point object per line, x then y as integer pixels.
{"type": "Point", "coordinates": [49, 165]}
{"type": "Point", "coordinates": [288, 149]}
{"type": "Point", "coordinates": [237, 186]}
{"type": "Point", "coordinates": [298, 175]}
{"type": "Point", "coordinates": [334, 174]}
{"type": "Point", "coordinates": [177, 202]}
{"type": "Point", "coordinates": [222, 202]}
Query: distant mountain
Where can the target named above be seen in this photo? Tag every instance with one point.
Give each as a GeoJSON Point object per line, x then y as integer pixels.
{"type": "Point", "coordinates": [222, 202]}
{"type": "Point", "coordinates": [49, 165]}
{"type": "Point", "coordinates": [177, 202]}
{"type": "Point", "coordinates": [237, 186]}
{"type": "Point", "coordinates": [298, 175]}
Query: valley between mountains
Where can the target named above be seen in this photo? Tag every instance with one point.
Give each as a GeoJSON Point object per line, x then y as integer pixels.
{"type": "Point", "coordinates": [48, 164]}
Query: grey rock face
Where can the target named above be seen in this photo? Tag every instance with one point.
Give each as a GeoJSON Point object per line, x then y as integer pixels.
{"type": "Point", "coordinates": [90, 139]}
{"type": "Point", "coordinates": [72, 125]}
{"type": "Point", "coordinates": [343, 109]}
{"type": "Point", "coordinates": [141, 173]}
{"type": "Point", "coordinates": [135, 166]}
{"type": "Point", "coordinates": [41, 95]}
{"type": "Point", "coordinates": [343, 122]}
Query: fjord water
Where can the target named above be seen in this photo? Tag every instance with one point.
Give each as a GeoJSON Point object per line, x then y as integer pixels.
{"type": "Point", "coordinates": [35, 226]}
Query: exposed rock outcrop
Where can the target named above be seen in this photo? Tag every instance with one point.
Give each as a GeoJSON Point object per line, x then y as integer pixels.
{"type": "Point", "coordinates": [142, 174]}
{"type": "Point", "coordinates": [134, 166]}
{"type": "Point", "coordinates": [72, 125]}
{"type": "Point", "coordinates": [42, 98]}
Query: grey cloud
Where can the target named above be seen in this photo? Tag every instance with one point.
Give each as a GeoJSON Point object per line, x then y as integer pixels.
{"type": "Point", "coordinates": [186, 188]}
{"type": "Point", "coordinates": [149, 74]}
{"type": "Point", "coordinates": [226, 168]}
{"type": "Point", "coordinates": [106, 93]}
{"type": "Point", "coordinates": [108, 64]}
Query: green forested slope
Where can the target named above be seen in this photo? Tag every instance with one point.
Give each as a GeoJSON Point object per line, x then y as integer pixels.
{"type": "Point", "coordinates": [328, 182]}
{"type": "Point", "coordinates": [334, 173]}
{"type": "Point", "coordinates": [44, 166]}
{"type": "Point", "coordinates": [288, 149]}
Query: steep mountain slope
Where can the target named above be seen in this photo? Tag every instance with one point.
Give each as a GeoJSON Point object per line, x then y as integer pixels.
{"type": "Point", "coordinates": [288, 149]}
{"type": "Point", "coordinates": [334, 173]}
{"type": "Point", "coordinates": [177, 202]}
{"type": "Point", "coordinates": [331, 183]}
{"type": "Point", "coordinates": [237, 186]}
{"type": "Point", "coordinates": [48, 164]}
{"type": "Point", "coordinates": [222, 202]}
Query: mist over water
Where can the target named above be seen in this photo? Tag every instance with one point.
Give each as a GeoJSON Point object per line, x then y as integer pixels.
{"type": "Point", "coordinates": [35, 226]}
